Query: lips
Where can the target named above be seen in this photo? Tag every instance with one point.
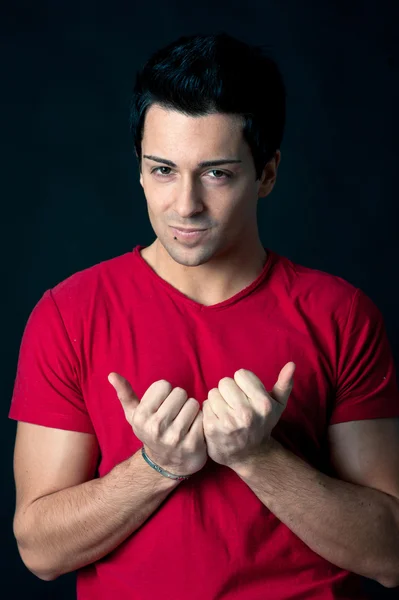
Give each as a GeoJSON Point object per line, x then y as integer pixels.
{"type": "Point", "coordinates": [188, 234]}
{"type": "Point", "coordinates": [187, 230]}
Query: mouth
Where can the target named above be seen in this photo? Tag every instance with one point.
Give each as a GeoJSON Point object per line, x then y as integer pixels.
{"type": "Point", "coordinates": [188, 233]}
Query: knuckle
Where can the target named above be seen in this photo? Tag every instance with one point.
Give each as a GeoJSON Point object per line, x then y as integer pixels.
{"type": "Point", "coordinates": [267, 405]}
{"type": "Point", "coordinates": [154, 427]}
{"type": "Point", "coordinates": [229, 421]}
{"type": "Point", "coordinates": [162, 386]}
{"type": "Point", "coordinates": [137, 421]}
{"type": "Point", "coordinates": [264, 410]}
{"type": "Point", "coordinates": [173, 438]}
{"type": "Point", "coordinates": [163, 382]}
{"type": "Point", "coordinates": [246, 417]}
{"type": "Point", "coordinates": [193, 402]}
{"type": "Point", "coordinates": [138, 413]}
{"type": "Point", "coordinates": [211, 428]}
{"type": "Point", "coordinates": [180, 391]}
{"type": "Point", "coordinates": [192, 443]}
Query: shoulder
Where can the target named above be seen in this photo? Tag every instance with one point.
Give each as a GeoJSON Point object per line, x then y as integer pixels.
{"type": "Point", "coordinates": [92, 284]}
{"type": "Point", "coordinates": [315, 291]}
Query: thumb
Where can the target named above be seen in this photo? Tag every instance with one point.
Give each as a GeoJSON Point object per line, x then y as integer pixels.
{"type": "Point", "coordinates": [285, 382]}
{"type": "Point", "coordinates": [125, 393]}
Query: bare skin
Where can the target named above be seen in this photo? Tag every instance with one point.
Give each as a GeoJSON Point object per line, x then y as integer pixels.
{"type": "Point", "coordinates": [229, 255]}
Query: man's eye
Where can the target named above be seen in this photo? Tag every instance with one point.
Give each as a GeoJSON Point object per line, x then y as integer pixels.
{"type": "Point", "coordinates": [221, 174]}
{"type": "Point", "coordinates": [162, 174]}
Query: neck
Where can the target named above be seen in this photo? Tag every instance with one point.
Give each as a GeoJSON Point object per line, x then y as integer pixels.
{"type": "Point", "coordinates": [213, 281]}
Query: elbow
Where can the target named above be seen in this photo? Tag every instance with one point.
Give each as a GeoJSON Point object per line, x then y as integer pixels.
{"type": "Point", "coordinates": [31, 562]}
{"type": "Point", "coordinates": [35, 566]}
{"type": "Point", "coordinates": [45, 576]}
{"type": "Point", "coordinates": [31, 558]}
{"type": "Point", "coordinates": [389, 584]}
{"type": "Point", "coordinates": [40, 571]}
{"type": "Point", "coordinates": [391, 580]}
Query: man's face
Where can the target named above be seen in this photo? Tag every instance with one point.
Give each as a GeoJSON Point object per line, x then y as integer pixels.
{"type": "Point", "coordinates": [220, 199]}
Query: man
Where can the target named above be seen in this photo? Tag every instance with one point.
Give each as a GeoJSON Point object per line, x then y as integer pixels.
{"type": "Point", "coordinates": [202, 418]}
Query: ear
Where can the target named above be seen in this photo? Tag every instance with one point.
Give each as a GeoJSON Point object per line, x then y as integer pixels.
{"type": "Point", "coordinates": [269, 175]}
{"type": "Point", "coordinates": [141, 172]}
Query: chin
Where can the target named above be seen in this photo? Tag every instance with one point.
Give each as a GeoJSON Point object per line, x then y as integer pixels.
{"type": "Point", "coordinates": [186, 256]}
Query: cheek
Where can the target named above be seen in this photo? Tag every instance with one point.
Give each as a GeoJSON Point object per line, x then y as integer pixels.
{"type": "Point", "coordinates": [155, 202]}
{"type": "Point", "coordinates": [241, 204]}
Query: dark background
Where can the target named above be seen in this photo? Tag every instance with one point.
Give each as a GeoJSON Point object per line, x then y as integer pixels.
{"type": "Point", "coordinates": [69, 189]}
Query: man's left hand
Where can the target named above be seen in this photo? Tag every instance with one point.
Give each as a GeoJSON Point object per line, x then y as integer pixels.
{"type": "Point", "coordinates": [239, 414]}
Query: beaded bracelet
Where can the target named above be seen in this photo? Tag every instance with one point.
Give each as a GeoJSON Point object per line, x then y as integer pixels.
{"type": "Point", "coordinates": [160, 470]}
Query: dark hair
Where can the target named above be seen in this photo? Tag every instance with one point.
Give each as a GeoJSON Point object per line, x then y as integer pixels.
{"type": "Point", "coordinates": [207, 73]}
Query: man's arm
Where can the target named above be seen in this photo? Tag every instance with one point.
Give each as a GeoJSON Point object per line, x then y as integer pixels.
{"type": "Point", "coordinates": [64, 521]}
{"type": "Point", "coordinates": [351, 526]}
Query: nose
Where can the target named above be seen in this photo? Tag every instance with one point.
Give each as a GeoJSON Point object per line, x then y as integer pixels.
{"type": "Point", "coordinates": [188, 198]}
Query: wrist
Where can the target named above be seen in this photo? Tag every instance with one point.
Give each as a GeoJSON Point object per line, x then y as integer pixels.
{"type": "Point", "coordinates": [150, 475]}
{"type": "Point", "coordinates": [245, 466]}
{"type": "Point", "coordinates": [161, 469]}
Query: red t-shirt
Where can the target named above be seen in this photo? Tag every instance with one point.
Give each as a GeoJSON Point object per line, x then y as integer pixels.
{"type": "Point", "coordinates": [211, 538]}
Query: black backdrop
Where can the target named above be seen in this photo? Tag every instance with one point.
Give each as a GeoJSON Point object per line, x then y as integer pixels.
{"type": "Point", "coordinates": [69, 189]}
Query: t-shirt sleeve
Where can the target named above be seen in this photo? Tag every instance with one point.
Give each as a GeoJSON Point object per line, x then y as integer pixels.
{"type": "Point", "coordinates": [47, 389]}
{"type": "Point", "coordinates": [366, 379]}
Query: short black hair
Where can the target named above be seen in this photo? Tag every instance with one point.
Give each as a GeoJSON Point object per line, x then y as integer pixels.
{"type": "Point", "coordinates": [215, 73]}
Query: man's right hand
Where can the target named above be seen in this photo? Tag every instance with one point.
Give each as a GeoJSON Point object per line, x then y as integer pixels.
{"type": "Point", "coordinates": [167, 422]}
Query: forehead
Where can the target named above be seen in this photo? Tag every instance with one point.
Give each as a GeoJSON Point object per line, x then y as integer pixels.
{"type": "Point", "coordinates": [171, 131]}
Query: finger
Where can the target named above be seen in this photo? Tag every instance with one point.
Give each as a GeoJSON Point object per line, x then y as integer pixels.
{"type": "Point", "coordinates": [125, 393]}
{"type": "Point", "coordinates": [208, 414]}
{"type": "Point", "coordinates": [197, 428]}
{"type": "Point", "coordinates": [218, 404]}
{"type": "Point", "coordinates": [253, 389]}
{"type": "Point", "coordinates": [185, 418]}
{"type": "Point", "coordinates": [154, 396]}
{"type": "Point", "coordinates": [232, 394]}
{"type": "Point", "coordinates": [170, 408]}
{"type": "Point", "coordinates": [285, 382]}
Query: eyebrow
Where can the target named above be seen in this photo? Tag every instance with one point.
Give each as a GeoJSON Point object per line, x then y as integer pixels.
{"type": "Point", "coordinates": [205, 163]}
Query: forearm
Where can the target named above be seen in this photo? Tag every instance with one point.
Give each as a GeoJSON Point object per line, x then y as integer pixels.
{"type": "Point", "coordinates": [69, 529]}
{"type": "Point", "coordinates": [353, 527]}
